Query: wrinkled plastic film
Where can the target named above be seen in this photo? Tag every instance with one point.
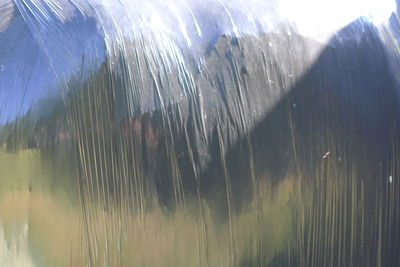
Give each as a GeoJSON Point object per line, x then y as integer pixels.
{"type": "Point", "coordinates": [199, 133]}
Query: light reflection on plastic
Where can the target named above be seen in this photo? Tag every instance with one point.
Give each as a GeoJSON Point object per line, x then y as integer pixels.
{"type": "Point", "coordinates": [320, 18]}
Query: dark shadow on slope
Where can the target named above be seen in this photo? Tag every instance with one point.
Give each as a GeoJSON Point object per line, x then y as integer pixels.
{"type": "Point", "coordinates": [344, 110]}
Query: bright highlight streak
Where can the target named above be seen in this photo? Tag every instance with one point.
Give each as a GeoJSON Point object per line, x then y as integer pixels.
{"type": "Point", "coordinates": [320, 18]}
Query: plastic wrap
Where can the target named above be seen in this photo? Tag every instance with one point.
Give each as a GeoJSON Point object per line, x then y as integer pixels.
{"type": "Point", "coordinates": [199, 133]}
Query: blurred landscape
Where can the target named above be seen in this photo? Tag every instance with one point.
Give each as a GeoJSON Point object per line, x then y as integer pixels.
{"type": "Point", "coordinates": [273, 150]}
